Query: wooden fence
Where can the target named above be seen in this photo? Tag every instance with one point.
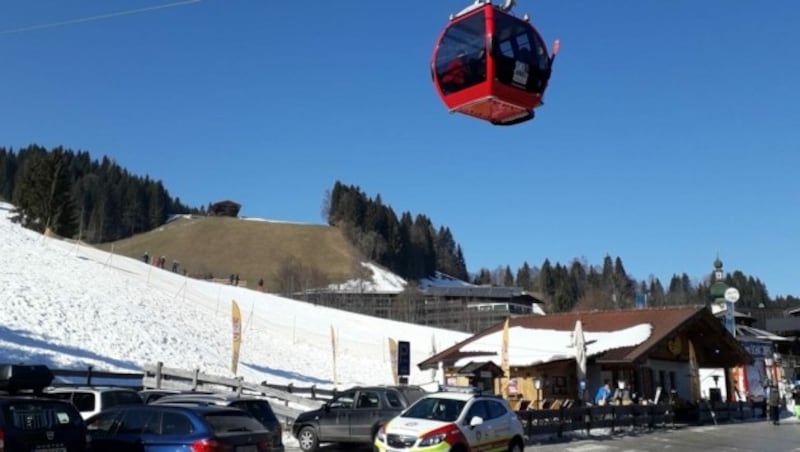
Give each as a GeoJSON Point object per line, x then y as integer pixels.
{"type": "Point", "coordinates": [160, 377]}
{"type": "Point", "coordinates": [536, 422]}
{"type": "Point", "coordinates": [295, 398]}
{"type": "Point", "coordinates": [89, 376]}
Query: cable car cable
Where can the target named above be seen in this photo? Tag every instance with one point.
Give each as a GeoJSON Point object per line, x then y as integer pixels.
{"type": "Point", "coordinates": [98, 17]}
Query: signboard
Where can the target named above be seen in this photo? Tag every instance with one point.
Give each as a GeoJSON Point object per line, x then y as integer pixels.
{"type": "Point", "coordinates": [730, 318]}
{"type": "Point", "coordinates": [403, 358]}
{"type": "Point", "coordinates": [731, 295]}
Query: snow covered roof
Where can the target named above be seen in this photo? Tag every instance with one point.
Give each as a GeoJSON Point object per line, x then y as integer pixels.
{"type": "Point", "coordinates": [384, 281]}
{"type": "Point", "coordinates": [531, 346]}
{"type": "Point", "coordinates": [744, 331]}
{"type": "Point", "coordinates": [620, 336]}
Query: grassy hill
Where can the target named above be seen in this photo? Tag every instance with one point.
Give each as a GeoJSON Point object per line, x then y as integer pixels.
{"type": "Point", "coordinates": [287, 256]}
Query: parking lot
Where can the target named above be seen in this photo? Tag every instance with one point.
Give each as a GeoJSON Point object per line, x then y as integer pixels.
{"type": "Point", "coordinates": [730, 437]}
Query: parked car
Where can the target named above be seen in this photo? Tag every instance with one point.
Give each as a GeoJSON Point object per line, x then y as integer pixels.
{"type": "Point", "coordinates": [90, 400]}
{"type": "Point", "coordinates": [257, 407]}
{"type": "Point", "coordinates": [151, 395]}
{"type": "Point", "coordinates": [353, 416]}
{"type": "Point", "coordinates": [453, 421]}
{"type": "Point", "coordinates": [30, 422]}
{"type": "Point", "coordinates": [156, 428]}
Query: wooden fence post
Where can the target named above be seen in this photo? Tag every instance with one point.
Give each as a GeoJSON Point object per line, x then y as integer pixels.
{"type": "Point", "coordinates": [159, 365]}
{"type": "Point", "coordinates": [89, 376]}
{"type": "Point", "coordinates": [314, 392]}
{"type": "Point", "coordinates": [195, 379]}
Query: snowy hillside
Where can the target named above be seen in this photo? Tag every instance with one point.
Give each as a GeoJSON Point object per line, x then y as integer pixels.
{"type": "Point", "coordinates": [70, 306]}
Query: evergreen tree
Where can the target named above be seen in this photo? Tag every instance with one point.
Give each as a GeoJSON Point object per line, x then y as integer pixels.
{"type": "Point", "coordinates": [577, 273]}
{"type": "Point", "coordinates": [508, 277]}
{"type": "Point", "coordinates": [460, 265]}
{"type": "Point", "coordinates": [483, 278]}
{"type": "Point", "coordinates": [547, 282]}
{"type": "Point", "coordinates": [61, 207]}
{"type": "Point", "coordinates": [8, 167]}
{"type": "Point", "coordinates": [43, 200]}
{"type": "Point", "coordinates": [656, 296]}
{"type": "Point", "coordinates": [524, 277]}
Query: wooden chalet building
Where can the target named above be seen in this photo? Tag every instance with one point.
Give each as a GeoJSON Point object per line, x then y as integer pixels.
{"type": "Point", "coordinates": [661, 359]}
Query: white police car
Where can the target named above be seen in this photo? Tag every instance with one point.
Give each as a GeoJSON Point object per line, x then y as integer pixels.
{"type": "Point", "coordinates": [453, 421]}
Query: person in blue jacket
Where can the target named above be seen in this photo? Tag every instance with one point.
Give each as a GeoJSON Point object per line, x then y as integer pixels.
{"type": "Point", "coordinates": [603, 394]}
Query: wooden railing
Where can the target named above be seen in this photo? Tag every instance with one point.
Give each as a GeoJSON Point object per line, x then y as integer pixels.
{"type": "Point", "coordinates": [89, 377]}
{"type": "Point", "coordinates": [614, 418]}
{"type": "Point", "coordinates": [159, 377]}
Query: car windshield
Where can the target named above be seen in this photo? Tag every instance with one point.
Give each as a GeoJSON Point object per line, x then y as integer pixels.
{"type": "Point", "coordinates": [114, 398]}
{"type": "Point", "coordinates": [233, 422]}
{"type": "Point", "coordinates": [259, 409]}
{"type": "Point", "coordinates": [445, 410]}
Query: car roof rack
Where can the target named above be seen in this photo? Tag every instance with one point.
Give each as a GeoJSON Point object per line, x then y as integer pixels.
{"type": "Point", "coordinates": [462, 389]}
{"type": "Point", "coordinates": [15, 378]}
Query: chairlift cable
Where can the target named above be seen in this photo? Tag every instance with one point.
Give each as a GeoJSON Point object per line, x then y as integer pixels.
{"type": "Point", "coordinates": [98, 17]}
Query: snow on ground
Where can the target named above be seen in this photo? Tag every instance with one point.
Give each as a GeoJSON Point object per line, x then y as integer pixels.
{"type": "Point", "coordinates": [382, 281]}
{"type": "Point", "coordinates": [71, 306]}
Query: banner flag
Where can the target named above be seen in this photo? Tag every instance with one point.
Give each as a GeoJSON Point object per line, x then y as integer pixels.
{"type": "Point", "coordinates": [393, 357]}
{"type": "Point", "coordinates": [504, 361]}
{"type": "Point", "coordinates": [694, 374]}
{"type": "Point", "coordinates": [433, 352]}
{"type": "Point", "coordinates": [237, 336]}
{"type": "Point", "coordinates": [333, 349]}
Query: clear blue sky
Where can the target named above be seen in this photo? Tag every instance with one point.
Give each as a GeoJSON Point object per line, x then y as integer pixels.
{"type": "Point", "coordinates": [669, 133]}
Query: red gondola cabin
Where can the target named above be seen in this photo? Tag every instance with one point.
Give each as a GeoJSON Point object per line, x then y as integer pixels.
{"type": "Point", "coordinates": [491, 65]}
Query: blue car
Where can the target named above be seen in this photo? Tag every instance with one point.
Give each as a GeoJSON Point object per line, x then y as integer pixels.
{"type": "Point", "coordinates": [172, 428]}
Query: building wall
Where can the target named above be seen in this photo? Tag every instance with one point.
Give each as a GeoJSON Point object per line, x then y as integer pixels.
{"type": "Point", "coordinates": [458, 314]}
{"type": "Point", "coordinates": [679, 371]}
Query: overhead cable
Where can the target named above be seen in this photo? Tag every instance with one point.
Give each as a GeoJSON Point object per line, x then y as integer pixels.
{"type": "Point", "coordinates": [98, 17]}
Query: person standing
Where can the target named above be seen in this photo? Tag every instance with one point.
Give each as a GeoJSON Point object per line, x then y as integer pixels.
{"type": "Point", "coordinates": [796, 398]}
{"type": "Point", "coordinates": [774, 403]}
{"type": "Point", "coordinates": [622, 395]}
{"type": "Point", "coordinates": [603, 393]}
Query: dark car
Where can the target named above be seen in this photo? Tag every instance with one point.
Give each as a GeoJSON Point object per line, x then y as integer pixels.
{"type": "Point", "coordinates": [34, 423]}
{"type": "Point", "coordinates": [156, 428]}
{"type": "Point", "coordinates": [29, 422]}
{"type": "Point", "coordinates": [353, 416]}
{"type": "Point", "coordinates": [151, 395]}
{"type": "Point", "coordinates": [255, 406]}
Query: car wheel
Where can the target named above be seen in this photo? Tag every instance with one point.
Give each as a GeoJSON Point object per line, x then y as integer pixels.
{"type": "Point", "coordinates": [515, 446]}
{"type": "Point", "coordinates": [307, 439]}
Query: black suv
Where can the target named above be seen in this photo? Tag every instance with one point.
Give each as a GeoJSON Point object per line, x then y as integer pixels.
{"type": "Point", "coordinates": [31, 422]}
{"type": "Point", "coordinates": [353, 416]}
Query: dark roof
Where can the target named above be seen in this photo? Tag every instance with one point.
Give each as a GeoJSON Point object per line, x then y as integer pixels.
{"type": "Point", "coordinates": [474, 367]}
{"type": "Point", "coordinates": [481, 292]}
{"type": "Point", "coordinates": [698, 321]}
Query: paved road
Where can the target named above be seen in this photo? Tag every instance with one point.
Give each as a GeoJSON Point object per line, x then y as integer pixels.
{"type": "Point", "coordinates": [760, 436]}
{"type": "Point", "coordinates": [755, 436]}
